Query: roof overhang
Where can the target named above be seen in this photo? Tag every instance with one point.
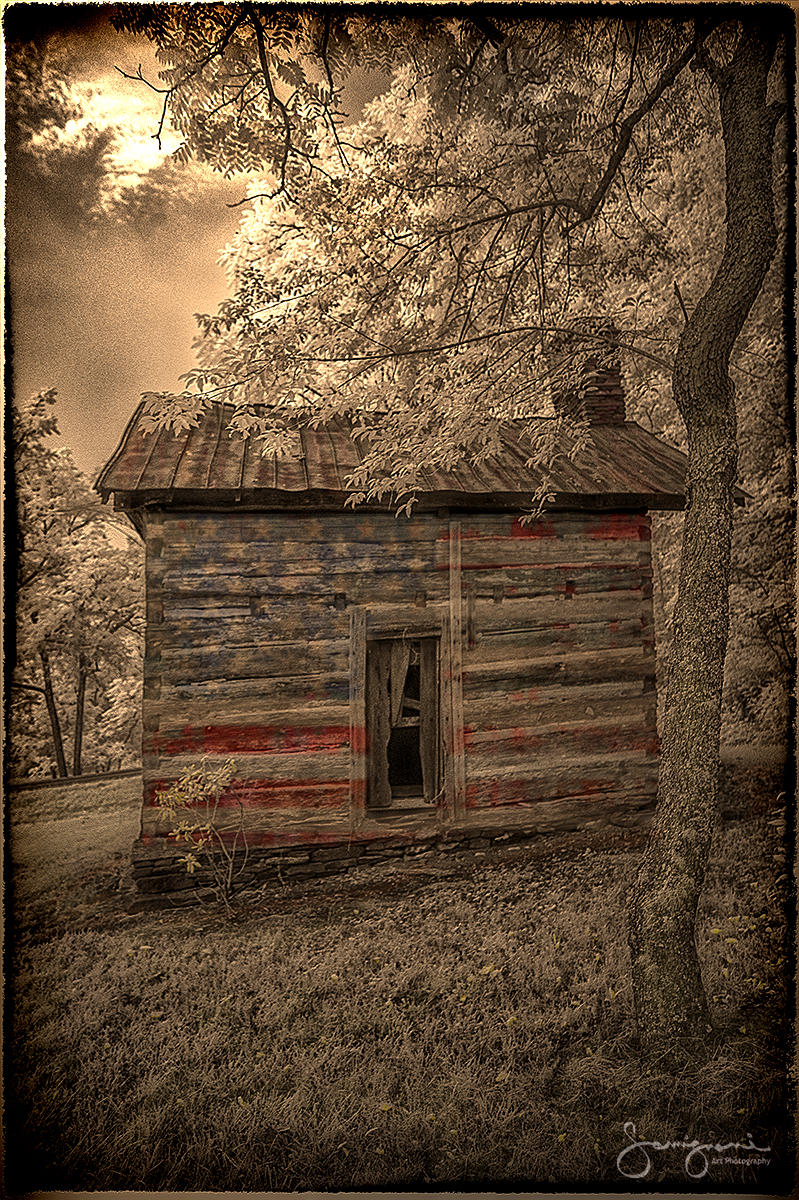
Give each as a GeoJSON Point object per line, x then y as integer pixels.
{"type": "Point", "coordinates": [620, 466]}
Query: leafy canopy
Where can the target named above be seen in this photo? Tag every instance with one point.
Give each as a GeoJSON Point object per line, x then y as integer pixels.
{"type": "Point", "coordinates": [412, 269]}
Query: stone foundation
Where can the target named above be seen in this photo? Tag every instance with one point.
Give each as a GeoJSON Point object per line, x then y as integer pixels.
{"type": "Point", "coordinates": [162, 881]}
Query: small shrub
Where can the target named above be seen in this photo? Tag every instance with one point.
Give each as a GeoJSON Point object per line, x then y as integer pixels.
{"type": "Point", "coordinates": [219, 850]}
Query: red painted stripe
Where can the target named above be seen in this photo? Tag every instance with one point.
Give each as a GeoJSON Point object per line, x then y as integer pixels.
{"type": "Point", "coordinates": [359, 739]}
{"type": "Point", "coordinates": [536, 566]}
{"type": "Point", "coordinates": [358, 793]}
{"type": "Point", "coordinates": [613, 527]}
{"type": "Point", "coordinates": [617, 526]}
{"type": "Point", "coordinates": [271, 794]}
{"type": "Point", "coordinates": [249, 739]}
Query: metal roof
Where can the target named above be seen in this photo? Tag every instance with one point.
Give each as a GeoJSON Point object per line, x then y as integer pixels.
{"type": "Point", "coordinates": [206, 464]}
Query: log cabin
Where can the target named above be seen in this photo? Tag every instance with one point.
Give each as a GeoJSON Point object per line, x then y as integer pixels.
{"type": "Point", "coordinates": [383, 683]}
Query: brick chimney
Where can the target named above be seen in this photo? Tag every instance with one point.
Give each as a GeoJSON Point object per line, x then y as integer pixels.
{"type": "Point", "coordinates": [585, 371]}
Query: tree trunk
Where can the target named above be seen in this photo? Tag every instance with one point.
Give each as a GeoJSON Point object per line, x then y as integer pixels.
{"type": "Point", "coordinates": [670, 1001]}
{"type": "Point", "coordinates": [80, 702]}
{"type": "Point", "coordinates": [52, 712]}
{"type": "Point", "coordinates": [789, 769]}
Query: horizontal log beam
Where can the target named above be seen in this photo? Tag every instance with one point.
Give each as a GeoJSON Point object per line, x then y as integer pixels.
{"type": "Point", "coordinates": [263, 794]}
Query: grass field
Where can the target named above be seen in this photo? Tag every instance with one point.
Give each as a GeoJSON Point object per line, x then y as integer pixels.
{"type": "Point", "coordinates": [458, 1023]}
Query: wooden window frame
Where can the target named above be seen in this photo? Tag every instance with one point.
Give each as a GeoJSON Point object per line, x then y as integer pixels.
{"type": "Point", "coordinates": [391, 622]}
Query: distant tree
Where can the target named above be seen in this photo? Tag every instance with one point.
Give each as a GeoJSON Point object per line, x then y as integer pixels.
{"type": "Point", "coordinates": [79, 601]}
{"type": "Point", "coordinates": [504, 181]}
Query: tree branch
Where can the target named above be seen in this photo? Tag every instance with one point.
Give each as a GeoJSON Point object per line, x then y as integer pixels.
{"type": "Point", "coordinates": [216, 50]}
{"type": "Point", "coordinates": [498, 233]}
{"type": "Point", "coordinates": [629, 84]}
{"type": "Point", "coordinates": [628, 127]}
{"type": "Point", "coordinates": [28, 687]}
{"type": "Point", "coordinates": [273, 97]}
{"type": "Point", "coordinates": [326, 24]}
{"type": "Point", "coordinates": [678, 294]}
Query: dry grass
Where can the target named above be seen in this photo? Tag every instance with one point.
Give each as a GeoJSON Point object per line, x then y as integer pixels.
{"type": "Point", "coordinates": [33, 806]}
{"type": "Point", "coordinates": [462, 1025]}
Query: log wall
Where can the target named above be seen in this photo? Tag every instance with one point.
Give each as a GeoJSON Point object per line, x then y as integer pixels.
{"type": "Point", "coordinates": [558, 659]}
{"type": "Point", "coordinates": [248, 644]}
{"type": "Point", "coordinates": [249, 641]}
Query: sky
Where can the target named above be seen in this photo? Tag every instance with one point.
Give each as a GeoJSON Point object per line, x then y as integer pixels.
{"type": "Point", "coordinates": [111, 246]}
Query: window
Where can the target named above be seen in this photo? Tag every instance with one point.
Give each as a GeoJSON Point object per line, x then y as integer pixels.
{"type": "Point", "coordinates": [402, 721]}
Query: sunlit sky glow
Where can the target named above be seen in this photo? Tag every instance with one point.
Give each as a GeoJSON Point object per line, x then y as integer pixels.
{"type": "Point", "coordinates": [134, 117]}
{"type": "Point", "coordinates": [103, 309]}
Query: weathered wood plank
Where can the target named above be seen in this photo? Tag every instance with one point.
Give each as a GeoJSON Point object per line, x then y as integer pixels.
{"type": "Point", "coordinates": [361, 587]}
{"type": "Point", "coordinates": [357, 715]}
{"type": "Point", "coordinates": [242, 528]}
{"type": "Point", "coordinates": [221, 563]}
{"type": "Point", "coordinates": [209, 634]}
{"type": "Point", "coordinates": [308, 767]}
{"type": "Point", "coordinates": [556, 702]}
{"type": "Point", "coordinates": [555, 641]}
{"type": "Point", "coordinates": [456, 655]}
{"type": "Point", "coordinates": [180, 665]}
{"type": "Point", "coordinates": [404, 620]}
{"type": "Point", "coordinates": [568, 764]}
{"type": "Point", "coordinates": [542, 612]}
{"type": "Point", "coordinates": [506, 553]}
{"type": "Point", "coordinates": [247, 737]}
{"type": "Point", "coordinates": [154, 613]}
{"type": "Point", "coordinates": [289, 691]}
{"type": "Point", "coordinates": [246, 710]}
{"type": "Point", "coordinates": [556, 525]}
{"type": "Point", "coordinates": [629, 718]}
{"type": "Point", "coordinates": [584, 777]}
{"type": "Point", "coordinates": [258, 792]}
{"type": "Point", "coordinates": [197, 615]}
{"type": "Point", "coordinates": [378, 721]}
{"type": "Point", "coordinates": [560, 579]}
{"type": "Point", "coordinates": [269, 809]}
{"type": "Point", "coordinates": [428, 722]}
{"type": "Point", "coordinates": [537, 745]}
{"type": "Point", "coordinates": [445, 710]}
{"type": "Point", "coordinates": [599, 665]}
{"type": "Point", "coordinates": [292, 556]}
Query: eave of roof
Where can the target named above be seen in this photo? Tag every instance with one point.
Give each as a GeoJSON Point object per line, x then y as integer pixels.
{"type": "Point", "coordinates": [623, 466]}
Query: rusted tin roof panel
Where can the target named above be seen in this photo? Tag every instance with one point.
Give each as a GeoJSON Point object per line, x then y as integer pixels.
{"type": "Point", "coordinates": [619, 460]}
{"type": "Point", "coordinates": [196, 459]}
{"type": "Point", "coordinates": [291, 474]}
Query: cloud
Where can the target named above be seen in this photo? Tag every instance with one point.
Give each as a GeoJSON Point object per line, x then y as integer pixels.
{"type": "Point", "coordinates": [132, 120]}
{"type": "Point", "coordinates": [112, 245]}
{"type": "Point", "coordinates": [80, 135]}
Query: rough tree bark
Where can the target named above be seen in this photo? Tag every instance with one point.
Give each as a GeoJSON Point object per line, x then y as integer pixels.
{"type": "Point", "coordinates": [52, 712]}
{"type": "Point", "coordinates": [80, 705]}
{"type": "Point", "coordinates": [670, 1001]}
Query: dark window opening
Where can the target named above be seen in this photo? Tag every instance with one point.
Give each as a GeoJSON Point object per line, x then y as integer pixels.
{"type": "Point", "coordinates": [402, 721]}
{"type": "Point", "coordinates": [405, 763]}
